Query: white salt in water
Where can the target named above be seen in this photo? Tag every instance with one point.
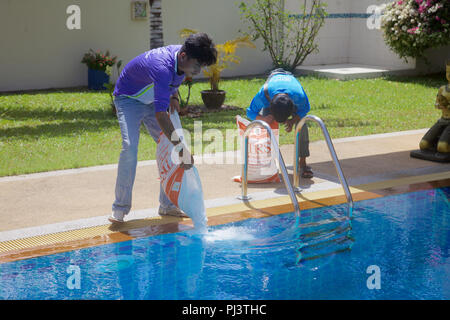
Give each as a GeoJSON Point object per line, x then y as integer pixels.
{"type": "Point", "coordinates": [229, 234]}
{"type": "Point", "coordinates": [191, 200]}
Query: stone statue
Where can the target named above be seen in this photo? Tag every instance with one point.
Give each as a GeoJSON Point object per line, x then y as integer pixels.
{"type": "Point", "coordinates": [435, 144]}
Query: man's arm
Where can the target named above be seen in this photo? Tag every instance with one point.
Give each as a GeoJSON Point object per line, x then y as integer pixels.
{"type": "Point", "coordinates": [258, 102]}
{"type": "Point", "coordinates": [167, 127]}
{"type": "Point", "coordinates": [291, 123]}
{"type": "Point", "coordinates": [174, 102]}
{"type": "Point", "coordinates": [163, 95]}
{"type": "Point", "coordinates": [169, 131]}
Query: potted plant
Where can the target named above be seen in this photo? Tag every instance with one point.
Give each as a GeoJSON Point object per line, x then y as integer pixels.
{"type": "Point", "coordinates": [214, 98]}
{"type": "Point", "coordinates": [97, 62]}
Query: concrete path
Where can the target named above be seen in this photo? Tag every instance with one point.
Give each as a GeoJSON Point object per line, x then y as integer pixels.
{"type": "Point", "coordinates": [75, 197]}
{"type": "Point", "coordinates": [352, 71]}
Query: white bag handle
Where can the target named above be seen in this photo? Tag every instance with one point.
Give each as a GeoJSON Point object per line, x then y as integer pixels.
{"type": "Point", "coordinates": [175, 118]}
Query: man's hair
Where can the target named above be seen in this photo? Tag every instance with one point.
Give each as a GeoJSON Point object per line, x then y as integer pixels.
{"type": "Point", "coordinates": [199, 46]}
{"type": "Point", "coordinates": [281, 107]}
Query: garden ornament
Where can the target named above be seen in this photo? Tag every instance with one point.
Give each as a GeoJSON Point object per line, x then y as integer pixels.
{"type": "Point", "coordinates": [435, 144]}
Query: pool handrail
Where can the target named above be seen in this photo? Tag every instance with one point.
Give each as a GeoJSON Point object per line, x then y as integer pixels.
{"type": "Point", "coordinates": [330, 148]}
{"type": "Point", "coordinates": [281, 164]}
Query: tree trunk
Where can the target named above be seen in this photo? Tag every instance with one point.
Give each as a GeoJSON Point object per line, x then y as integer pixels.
{"type": "Point", "coordinates": [156, 26]}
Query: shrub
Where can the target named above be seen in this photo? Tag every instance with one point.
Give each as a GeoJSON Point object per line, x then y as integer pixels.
{"type": "Point", "coordinates": [412, 26]}
{"type": "Point", "coordinates": [288, 37]}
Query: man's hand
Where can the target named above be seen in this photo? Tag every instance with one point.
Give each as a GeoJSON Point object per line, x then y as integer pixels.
{"type": "Point", "coordinates": [167, 128]}
{"type": "Point", "coordinates": [289, 124]}
{"type": "Point", "coordinates": [186, 159]}
{"type": "Point", "coordinates": [174, 104]}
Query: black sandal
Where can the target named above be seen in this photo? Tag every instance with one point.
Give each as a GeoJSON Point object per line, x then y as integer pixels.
{"type": "Point", "coordinates": [306, 172]}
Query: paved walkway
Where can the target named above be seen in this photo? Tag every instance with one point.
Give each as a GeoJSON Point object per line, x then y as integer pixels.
{"type": "Point", "coordinates": [349, 71]}
{"type": "Point", "coordinates": [76, 197]}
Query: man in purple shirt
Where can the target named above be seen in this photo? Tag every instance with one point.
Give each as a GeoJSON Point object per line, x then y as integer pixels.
{"type": "Point", "coordinates": [146, 87]}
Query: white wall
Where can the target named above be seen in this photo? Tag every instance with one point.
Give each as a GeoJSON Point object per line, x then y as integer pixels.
{"type": "Point", "coordinates": [346, 38]}
{"type": "Point", "coordinates": [341, 39]}
{"type": "Point", "coordinates": [333, 38]}
{"type": "Point", "coordinates": [367, 46]}
{"type": "Point", "coordinates": [220, 19]}
{"type": "Point", "coordinates": [37, 50]}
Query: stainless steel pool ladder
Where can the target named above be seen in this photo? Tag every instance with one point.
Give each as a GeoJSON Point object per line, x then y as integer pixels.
{"type": "Point", "coordinates": [244, 196]}
{"type": "Point", "coordinates": [330, 148]}
{"type": "Point", "coordinates": [276, 149]}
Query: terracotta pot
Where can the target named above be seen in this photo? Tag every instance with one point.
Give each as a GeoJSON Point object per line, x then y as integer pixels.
{"type": "Point", "coordinates": [213, 99]}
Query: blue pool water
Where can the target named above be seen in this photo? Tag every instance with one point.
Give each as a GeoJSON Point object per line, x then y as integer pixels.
{"type": "Point", "coordinates": [406, 237]}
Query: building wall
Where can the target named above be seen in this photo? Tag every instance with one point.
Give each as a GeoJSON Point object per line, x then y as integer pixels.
{"type": "Point", "coordinates": [367, 45]}
{"type": "Point", "coordinates": [333, 38]}
{"type": "Point", "coordinates": [37, 50]}
{"type": "Point", "coordinates": [221, 21]}
{"type": "Point", "coordinates": [344, 38]}
{"type": "Point", "coordinates": [348, 36]}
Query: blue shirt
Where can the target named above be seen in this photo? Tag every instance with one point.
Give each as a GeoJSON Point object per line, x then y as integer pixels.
{"type": "Point", "coordinates": [280, 83]}
{"type": "Point", "coordinates": [151, 77]}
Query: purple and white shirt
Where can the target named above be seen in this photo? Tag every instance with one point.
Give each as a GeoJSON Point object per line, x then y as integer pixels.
{"type": "Point", "coordinates": [151, 77]}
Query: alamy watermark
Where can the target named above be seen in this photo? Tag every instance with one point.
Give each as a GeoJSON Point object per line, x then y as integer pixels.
{"type": "Point", "coordinates": [73, 21]}
{"type": "Point", "coordinates": [374, 280]}
{"type": "Point", "coordinates": [374, 20]}
{"type": "Point", "coordinates": [74, 279]}
{"type": "Point", "coordinates": [210, 146]}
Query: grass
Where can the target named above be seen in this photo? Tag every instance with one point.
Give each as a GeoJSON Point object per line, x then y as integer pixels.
{"type": "Point", "coordinates": [61, 129]}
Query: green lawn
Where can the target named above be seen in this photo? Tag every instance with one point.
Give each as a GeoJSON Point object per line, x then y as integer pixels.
{"type": "Point", "coordinates": [61, 129]}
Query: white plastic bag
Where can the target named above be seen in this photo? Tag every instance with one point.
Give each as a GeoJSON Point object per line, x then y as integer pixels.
{"type": "Point", "coordinates": [182, 187]}
{"type": "Point", "coordinates": [262, 167]}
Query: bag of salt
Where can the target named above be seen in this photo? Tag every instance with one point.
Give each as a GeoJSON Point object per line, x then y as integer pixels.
{"type": "Point", "coordinates": [182, 187]}
{"type": "Point", "coordinates": [262, 167]}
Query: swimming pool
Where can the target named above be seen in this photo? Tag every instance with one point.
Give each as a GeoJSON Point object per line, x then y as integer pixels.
{"type": "Point", "coordinates": [400, 242]}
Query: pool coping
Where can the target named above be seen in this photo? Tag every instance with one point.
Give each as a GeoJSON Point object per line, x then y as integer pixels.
{"type": "Point", "coordinates": [47, 244]}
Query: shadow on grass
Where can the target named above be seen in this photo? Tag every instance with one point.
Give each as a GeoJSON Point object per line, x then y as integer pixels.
{"type": "Point", "coordinates": [56, 129]}
{"type": "Point", "coordinates": [47, 114]}
{"type": "Point", "coordinates": [226, 116]}
{"type": "Point", "coordinates": [346, 122]}
{"type": "Point", "coordinates": [321, 106]}
{"type": "Point", "coordinates": [62, 122]}
{"type": "Point", "coordinates": [51, 90]}
{"type": "Point", "coordinates": [432, 81]}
